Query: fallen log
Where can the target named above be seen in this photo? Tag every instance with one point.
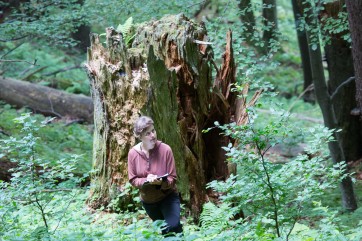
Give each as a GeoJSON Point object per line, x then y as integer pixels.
{"type": "Point", "coordinates": [45, 100]}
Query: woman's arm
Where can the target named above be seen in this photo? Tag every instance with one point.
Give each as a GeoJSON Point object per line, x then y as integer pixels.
{"type": "Point", "coordinates": [132, 173]}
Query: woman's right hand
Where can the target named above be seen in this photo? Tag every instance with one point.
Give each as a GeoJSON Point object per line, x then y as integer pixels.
{"type": "Point", "coordinates": [152, 179]}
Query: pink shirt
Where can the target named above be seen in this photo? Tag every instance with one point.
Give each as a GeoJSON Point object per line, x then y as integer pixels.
{"type": "Point", "coordinates": [160, 162]}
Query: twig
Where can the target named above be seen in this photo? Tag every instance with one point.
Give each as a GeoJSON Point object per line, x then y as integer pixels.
{"type": "Point", "coordinates": [349, 80]}
{"type": "Point", "coordinates": [34, 72]}
{"type": "Point", "coordinates": [13, 39]}
{"type": "Point", "coordinates": [291, 229]}
{"type": "Point", "coordinates": [226, 6]}
{"type": "Point", "coordinates": [270, 186]}
{"type": "Point", "coordinates": [46, 112]}
{"type": "Point", "coordinates": [25, 71]}
{"type": "Point", "coordinates": [77, 66]}
{"type": "Point", "coordinates": [64, 210]}
{"type": "Point", "coordinates": [4, 132]}
{"type": "Point", "coordinates": [215, 66]}
{"type": "Point", "coordinates": [11, 50]}
{"type": "Point", "coordinates": [297, 216]}
{"type": "Point", "coordinates": [309, 88]}
{"type": "Point", "coordinates": [12, 61]}
{"type": "Point", "coordinates": [51, 105]}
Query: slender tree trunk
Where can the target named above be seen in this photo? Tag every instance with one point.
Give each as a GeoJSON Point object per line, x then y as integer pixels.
{"type": "Point", "coordinates": [340, 69]}
{"type": "Point", "coordinates": [167, 76]}
{"type": "Point", "coordinates": [323, 97]}
{"type": "Point", "coordinates": [270, 21]}
{"type": "Point", "coordinates": [354, 9]}
{"type": "Point", "coordinates": [348, 198]}
{"type": "Point", "coordinates": [82, 34]}
{"type": "Point", "coordinates": [247, 19]}
{"type": "Point", "coordinates": [309, 95]}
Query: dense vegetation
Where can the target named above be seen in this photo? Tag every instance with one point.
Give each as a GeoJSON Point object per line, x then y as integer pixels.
{"type": "Point", "coordinates": [282, 195]}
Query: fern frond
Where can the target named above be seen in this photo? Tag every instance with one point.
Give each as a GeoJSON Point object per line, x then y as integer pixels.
{"type": "Point", "coordinates": [215, 217]}
{"type": "Point", "coordinates": [125, 28]}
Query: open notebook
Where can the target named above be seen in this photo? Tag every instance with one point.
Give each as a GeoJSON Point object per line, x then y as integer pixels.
{"type": "Point", "coordinates": [163, 177]}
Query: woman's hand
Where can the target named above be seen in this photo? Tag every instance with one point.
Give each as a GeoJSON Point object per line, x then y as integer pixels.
{"type": "Point", "coordinates": [152, 179]}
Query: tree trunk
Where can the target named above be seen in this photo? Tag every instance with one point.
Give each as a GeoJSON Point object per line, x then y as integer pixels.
{"type": "Point", "coordinates": [354, 9]}
{"type": "Point", "coordinates": [348, 198]}
{"type": "Point", "coordinates": [81, 35]}
{"type": "Point", "coordinates": [340, 69]}
{"type": "Point", "coordinates": [309, 95]}
{"type": "Point", "coordinates": [247, 19]}
{"type": "Point", "coordinates": [270, 21]}
{"type": "Point", "coordinates": [167, 76]}
{"type": "Point", "coordinates": [46, 100]}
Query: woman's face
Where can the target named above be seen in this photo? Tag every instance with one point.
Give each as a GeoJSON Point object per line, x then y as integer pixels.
{"type": "Point", "coordinates": [149, 138]}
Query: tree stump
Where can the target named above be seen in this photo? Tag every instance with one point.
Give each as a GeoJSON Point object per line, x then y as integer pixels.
{"type": "Point", "coordinates": [167, 75]}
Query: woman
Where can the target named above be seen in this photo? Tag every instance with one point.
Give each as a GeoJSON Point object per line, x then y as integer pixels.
{"type": "Point", "coordinates": [147, 162]}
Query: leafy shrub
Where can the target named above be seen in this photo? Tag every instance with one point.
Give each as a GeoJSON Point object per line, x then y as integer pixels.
{"type": "Point", "coordinates": [35, 181]}
{"type": "Point", "coordinates": [276, 198]}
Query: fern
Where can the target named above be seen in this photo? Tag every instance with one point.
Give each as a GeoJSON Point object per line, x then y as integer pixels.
{"type": "Point", "coordinates": [216, 217]}
{"type": "Point", "coordinates": [127, 30]}
{"type": "Point", "coordinates": [126, 27]}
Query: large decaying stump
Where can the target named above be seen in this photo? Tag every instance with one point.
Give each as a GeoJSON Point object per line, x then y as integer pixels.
{"type": "Point", "coordinates": [166, 74]}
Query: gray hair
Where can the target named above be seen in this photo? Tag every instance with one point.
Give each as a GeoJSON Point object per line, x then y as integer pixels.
{"type": "Point", "coordinates": [141, 124]}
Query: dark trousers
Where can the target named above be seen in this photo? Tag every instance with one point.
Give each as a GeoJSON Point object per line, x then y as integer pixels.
{"type": "Point", "coordinates": [167, 209]}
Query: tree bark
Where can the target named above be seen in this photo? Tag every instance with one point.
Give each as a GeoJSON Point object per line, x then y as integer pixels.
{"type": "Point", "coordinates": [348, 198]}
{"type": "Point", "coordinates": [82, 34]}
{"type": "Point", "coordinates": [167, 76]}
{"type": "Point", "coordinates": [247, 19]}
{"type": "Point", "coordinates": [340, 69]}
{"type": "Point", "coordinates": [46, 100]}
{"type": "Point", "coordinates": [309, 95]}
{"type": "Point", "coordinates": [324, 100]}
{"type": "Point", "coordinates": [354, 9]}
{"type": "Point", "coordinates": [270, 21]}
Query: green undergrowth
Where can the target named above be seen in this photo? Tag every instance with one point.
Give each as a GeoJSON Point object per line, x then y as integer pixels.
{"type": "Point", "coordinates": [70, 219]}
{"type": "Point", "coordinates": [302, 114]}
{"type": "Point", "coordinates": [57, 139]}
{"type": "Point", "coordinates": [332, 199]}
{"type": "Point", "coordinates": [38, 63]}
